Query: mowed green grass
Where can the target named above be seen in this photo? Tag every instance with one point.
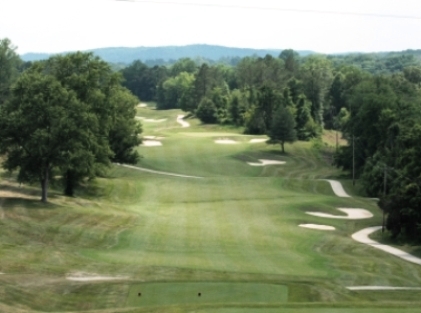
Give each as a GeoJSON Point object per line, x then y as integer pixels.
{"type": "Point", "coordinates": [231, 235]}
{"type": "Point", "coordinates": [206, 293]}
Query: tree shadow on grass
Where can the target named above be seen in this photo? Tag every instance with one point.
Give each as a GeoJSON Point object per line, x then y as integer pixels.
{"type": "Point", "coordinates": [10, 203]}
{"type": "Point", "coordinates": [90, 191]}
{"type": "Point", "coordinates": [10, 190]}
{"type": "Point", "coordinates": [12, 196]}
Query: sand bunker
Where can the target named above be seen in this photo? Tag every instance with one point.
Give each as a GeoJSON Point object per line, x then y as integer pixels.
{"type": "Point", "coordinates": [319, 227]}
{"type": "Point", "coordinates": [151, 143]}
{"type": "Point", "coordinates": [362, 236]}
{"type": "Point", "coordinates": [180, 121]}
{"type": "Point", "coordinates": [258, 140]}
{"type": "Point", "coordinates": [351, 214]}
{"type": "Point", "coordinates": [142, 105]}
{"type": "Point", "coordinates": [356, 288]}
{"type": "Point", "coordinates": [266, 162]}
{"type": "Point", "coordinates": [152, 138]}
{"type": "Point", "coordinates": [150, 120]}
{"type": "Point", "coordinates": [226, 142]}
{"type": "Point", "coordinates": [337, 188]}
{"type": "Point", "coordinates": [93, 277]}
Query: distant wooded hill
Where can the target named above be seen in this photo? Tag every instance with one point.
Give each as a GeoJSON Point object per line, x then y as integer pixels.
{"type": "Point", "coordinates": [168, 53]}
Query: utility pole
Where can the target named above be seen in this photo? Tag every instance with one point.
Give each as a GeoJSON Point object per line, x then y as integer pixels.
{"type": "Point", "coordinates": [353, 160]}
{"type": "Point", "coordinates": [384, 190]}
{"type": "Point", "coordinates": [337, 141]}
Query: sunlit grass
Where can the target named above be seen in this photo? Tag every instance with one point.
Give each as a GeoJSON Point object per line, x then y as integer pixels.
{"type": "Point", "coordinates": [232, 235]}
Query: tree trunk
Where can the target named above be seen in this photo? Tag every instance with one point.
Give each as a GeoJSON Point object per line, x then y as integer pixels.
{"type": "Point", "coordinates": [44, 184]}
{"type": "Point", "coordinates": [282, 145]}
{"type": "Point", "coordinates": [69, 183]}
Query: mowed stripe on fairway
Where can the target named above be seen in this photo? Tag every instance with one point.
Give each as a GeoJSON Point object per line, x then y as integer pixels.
{"type": "Point", "coordinates": [222, 224]}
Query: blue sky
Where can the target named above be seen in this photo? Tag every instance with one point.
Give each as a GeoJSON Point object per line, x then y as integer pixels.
{"type": "Point", "coordinates": [325, 25]}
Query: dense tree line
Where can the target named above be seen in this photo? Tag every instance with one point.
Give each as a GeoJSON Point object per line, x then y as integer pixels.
{"type": "Point", "coordinates": [66, 117]}
{"type": "Point", "coordinates": [247, 94]}
{"type": "Point", "coordinates": [382, 123]}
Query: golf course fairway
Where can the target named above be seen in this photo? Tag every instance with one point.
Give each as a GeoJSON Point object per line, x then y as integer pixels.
{"type": "Point", "coordinates": [193, 227]}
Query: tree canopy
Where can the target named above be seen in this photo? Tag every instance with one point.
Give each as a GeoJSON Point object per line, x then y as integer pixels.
{"type": "Point", "coordinates": [9, 67]}
{"type": "Point", "coordinates": [68, 115]}
{"type": "Point", "coordinates": [283, 128]}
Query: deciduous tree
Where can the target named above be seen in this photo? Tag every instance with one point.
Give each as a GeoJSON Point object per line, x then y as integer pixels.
{"type": "Point", "coordinates": [283, 128]}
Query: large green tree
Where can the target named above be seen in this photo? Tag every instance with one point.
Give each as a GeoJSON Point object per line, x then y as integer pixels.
{"type": "Point", "coordinates": [42, 127]}
{"type": "Point", "coordinates": [125, 130]}
{"type": "Point", "coordinates": [283, 128]}
{"type": "Point", "coordinates": [111, 131]}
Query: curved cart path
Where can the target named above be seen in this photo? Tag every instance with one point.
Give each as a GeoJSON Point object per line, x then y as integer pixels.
{"type": "Point", "coordinates": [182, 122]}
{"type": "Point", "coordinates": [157, 172]}
{"type": "Point", "coordinates": [358, 288]}
{"type": "Point", "coordinates": [337, 188]}
{"type": "Point", "coordinates": [362, 236]}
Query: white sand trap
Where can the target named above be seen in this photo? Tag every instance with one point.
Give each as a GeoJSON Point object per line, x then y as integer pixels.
{"type": "Point", "coordinates": [152, 138]}
{"type": "Point", "coordinates": [93, 277]}
{"type": "Point", "coordinates": [142, 105]}
{"type": "Point", "coordinates": [351, 214]}
{"type": "Point", "coordinates": [226, 142]}
{"type": "Point", "coordinates": [356, 288]}
{"type": "Point", "coordinates": [362, 236]}
{"type": "Point", "coordinates": [319, 227]}
{"type": "Point", "coordinates": [259, 140]}
{"type": "Point", "coordinates": [151, 143]}
{"type": "Point", "coordinates": [337, 188]}
{"type": "Point", "coordinates": [266, 162]}
{"type": "Point", "coordinates": [150, 120]}
{"type": "Point", "coordinates": [182, 122]}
